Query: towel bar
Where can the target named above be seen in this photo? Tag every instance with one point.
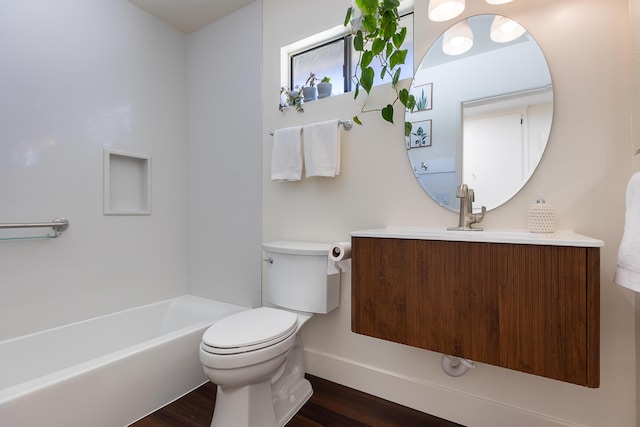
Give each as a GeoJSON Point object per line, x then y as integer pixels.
{"type": "Point", "coordinates": [58, 225]}
{"type": "Point", "coordinates": [346, 125]}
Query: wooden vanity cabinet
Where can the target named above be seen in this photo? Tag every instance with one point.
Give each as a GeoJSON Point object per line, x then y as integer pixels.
{"type": "Point", "coordinates": [531, 308]}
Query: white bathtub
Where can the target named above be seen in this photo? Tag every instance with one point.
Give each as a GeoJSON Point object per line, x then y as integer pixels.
{"type": "Point", "coordinates": [108, 371]}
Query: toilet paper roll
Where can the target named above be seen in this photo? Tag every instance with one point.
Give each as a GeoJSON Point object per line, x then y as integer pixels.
{"type": "Point", "coordinates": [340, 251]}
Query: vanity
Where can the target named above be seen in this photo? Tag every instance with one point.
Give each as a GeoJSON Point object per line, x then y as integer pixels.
{"type": "Point", "coordinates": [514, 299]}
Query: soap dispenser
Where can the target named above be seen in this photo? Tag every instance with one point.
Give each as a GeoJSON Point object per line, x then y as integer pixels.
{"type": "Point", "coordinates": [541, 217]}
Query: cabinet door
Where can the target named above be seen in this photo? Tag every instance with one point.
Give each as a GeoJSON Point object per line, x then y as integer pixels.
{"type": "Point", "coordinates": [525, 307]}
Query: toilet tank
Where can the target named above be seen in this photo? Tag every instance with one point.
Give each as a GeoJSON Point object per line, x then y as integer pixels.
{"type": "Point", "coordinates": [297, 277]}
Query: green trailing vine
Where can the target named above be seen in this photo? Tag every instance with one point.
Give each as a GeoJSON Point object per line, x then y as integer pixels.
{"type": "Point", "coordinates": [378, 36]}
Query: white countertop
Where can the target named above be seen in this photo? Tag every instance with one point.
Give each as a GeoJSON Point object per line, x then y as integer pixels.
{"type": "Point", "coordinates": [558, 238]}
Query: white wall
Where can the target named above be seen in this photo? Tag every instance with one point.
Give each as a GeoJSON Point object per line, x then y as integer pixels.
{"type": "Point", "coordinates": [225, 155]}
{"type": "Point", "coordinates": [583, 173]}
{"type": "Point", "coordinates": [78, 77]}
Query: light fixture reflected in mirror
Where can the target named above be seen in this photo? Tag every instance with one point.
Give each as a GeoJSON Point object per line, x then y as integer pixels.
{"type": "Point", "coordinates": [443, 10]}
{"type": "Point", "coordinates": [458, 39]}
{"type": "Point", "coordinates": [504, 30]}
{"type": "Point", "coordinates": [499, 1]}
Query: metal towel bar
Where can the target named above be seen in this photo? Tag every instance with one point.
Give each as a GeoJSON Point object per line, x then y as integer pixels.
{"type": "Point", "coordinates": [346, 125]}
{"type": "Point", "coordinates": [58, 225]}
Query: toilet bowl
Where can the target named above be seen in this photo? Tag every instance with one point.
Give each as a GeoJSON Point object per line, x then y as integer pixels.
{"type": "Point", "coordinates": [255, 357]}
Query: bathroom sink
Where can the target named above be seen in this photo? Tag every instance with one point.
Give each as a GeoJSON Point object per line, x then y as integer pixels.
{"type": "Point", "coordinates": [558, 238]}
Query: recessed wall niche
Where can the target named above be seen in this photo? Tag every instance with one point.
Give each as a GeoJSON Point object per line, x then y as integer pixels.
{"type": "Point", "coordinates": [127, 183]}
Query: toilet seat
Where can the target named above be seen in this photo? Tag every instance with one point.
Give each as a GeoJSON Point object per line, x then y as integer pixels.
{"type": "Point", "coordinates": [249, 330]}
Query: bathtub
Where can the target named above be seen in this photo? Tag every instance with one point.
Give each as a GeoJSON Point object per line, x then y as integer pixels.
{"type": "Point", "coordinates": [107, 371]}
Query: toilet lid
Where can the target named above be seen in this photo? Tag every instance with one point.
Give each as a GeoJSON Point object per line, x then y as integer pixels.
{"type": "Point", "coordinates": [250, 330]}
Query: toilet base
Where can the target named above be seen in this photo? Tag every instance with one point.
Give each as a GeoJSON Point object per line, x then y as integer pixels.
{"type": "Point", "coordinates": [290, 389]}
{"type": "Point", "coordinates": [270, 403]}
{"type": "Point", "coordinates": [245, 406]}
{"type": "Point", "coordinates": [286, 408]}
{"type": "Point", "coordinates": [252, 406]}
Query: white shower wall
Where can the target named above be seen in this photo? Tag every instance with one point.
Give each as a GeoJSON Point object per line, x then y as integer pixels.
{"type": "Point", "coordinates": [77, 77]}
{"type": "Point", "coordinates": [225, 158]}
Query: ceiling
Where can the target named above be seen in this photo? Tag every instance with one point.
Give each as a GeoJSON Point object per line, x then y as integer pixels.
{"type": "Point", "coordinates": [190, 15]}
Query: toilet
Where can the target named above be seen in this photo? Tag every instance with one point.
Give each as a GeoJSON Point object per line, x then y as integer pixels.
{"type": "Point", "coordinates": [255, 357]}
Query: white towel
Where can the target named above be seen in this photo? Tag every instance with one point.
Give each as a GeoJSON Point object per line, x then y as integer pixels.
{"type": "Point", "coordinates": [286, 155]}
{"type": "Point", "coordinates": [322, 149]}
{"type": "Point", "coordinates": [628, 271]}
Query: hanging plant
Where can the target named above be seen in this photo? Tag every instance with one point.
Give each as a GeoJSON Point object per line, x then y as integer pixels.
{"type": "Point", "coordinates": [378, 36]}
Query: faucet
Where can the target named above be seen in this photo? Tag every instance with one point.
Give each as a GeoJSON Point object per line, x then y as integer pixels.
{"type": "Point", "coordinates": [467, 217]}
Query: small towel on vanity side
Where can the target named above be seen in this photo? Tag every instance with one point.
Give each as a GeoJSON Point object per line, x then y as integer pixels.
{"type": "Point", "coordinates": [286, 155]}
{"type": "Point", "coordinates": [322, 149]}
{"type": "Point", "coordinates": [628, 271]}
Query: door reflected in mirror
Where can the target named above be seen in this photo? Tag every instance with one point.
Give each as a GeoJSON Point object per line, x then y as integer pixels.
{"type": "Point", "coordinates": [482, 117]}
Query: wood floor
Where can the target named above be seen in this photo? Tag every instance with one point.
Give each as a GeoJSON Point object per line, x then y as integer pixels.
{"type": "Point", "coordinates": [331, 405]}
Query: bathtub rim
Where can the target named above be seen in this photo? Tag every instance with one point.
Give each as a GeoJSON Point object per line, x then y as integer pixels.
{"type": "Point", "coordinates": [20, 390]}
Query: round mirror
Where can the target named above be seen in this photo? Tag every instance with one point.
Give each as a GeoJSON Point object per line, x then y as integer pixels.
{"type": "Point", "coordinates": [484, 106]}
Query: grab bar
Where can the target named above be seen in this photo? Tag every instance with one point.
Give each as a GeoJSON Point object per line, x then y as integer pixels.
{"type": "Point", "coordinates": [58, 225]}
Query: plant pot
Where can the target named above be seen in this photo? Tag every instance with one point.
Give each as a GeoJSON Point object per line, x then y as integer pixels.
{"type": "Point", "coordinates": [310, 93]}
{"type": "Point", "coordinates": [324, 89]}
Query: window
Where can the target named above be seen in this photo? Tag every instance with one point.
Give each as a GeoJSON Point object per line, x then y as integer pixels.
{"type": "Point", "coordinates": [325, 60]}
{"type": "Point", "coordinates": [337, 59]}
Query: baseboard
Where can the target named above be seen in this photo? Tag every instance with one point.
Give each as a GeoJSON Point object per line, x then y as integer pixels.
{"type": "Point", "coordinates": [453, 405]}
